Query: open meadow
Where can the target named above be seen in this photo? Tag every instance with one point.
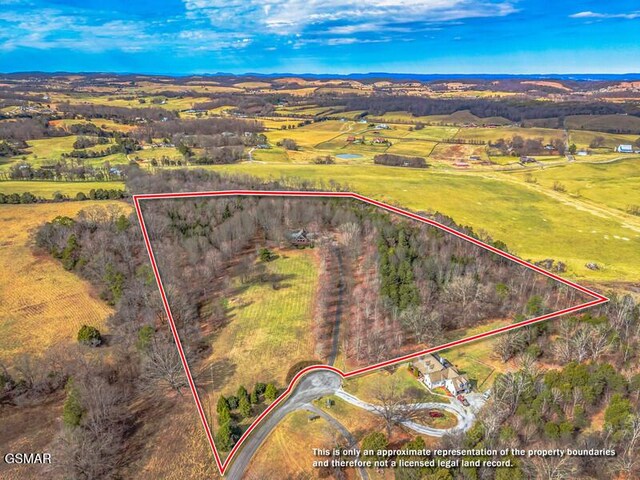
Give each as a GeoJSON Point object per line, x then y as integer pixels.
{"type": "Point", "coordinates": [41, 304]}
{"type": "Point", "coordinates": [268, 330]}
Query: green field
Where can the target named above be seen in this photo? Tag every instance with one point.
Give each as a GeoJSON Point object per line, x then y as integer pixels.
{"type": "Point", "coordinates": [47, 189]}
{"type": "Point", "coordinates": [615, 184]}
{"type": "Point", "coordinates": [534, 224]}
{"type": "Point", "coordinates": [47, 151]}
{"type": "Point", "coordinates": [493, 134]}
{"type": "Point", "coordinates": [582, 139]}
{"type": "Point", "coordinates": [268, 329]}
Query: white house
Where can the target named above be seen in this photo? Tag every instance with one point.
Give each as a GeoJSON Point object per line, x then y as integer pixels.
{"type": "Point", "coordinates": [434, 374]}
{"type": "Point", "coordinates": [624, 149]}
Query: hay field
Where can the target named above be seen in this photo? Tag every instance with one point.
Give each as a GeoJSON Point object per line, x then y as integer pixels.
{"type": "Point", "coordinates": [41, 304]}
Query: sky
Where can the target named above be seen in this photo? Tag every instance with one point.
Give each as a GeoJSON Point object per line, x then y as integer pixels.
{"type": "Point", "coordinates": [320, 36]}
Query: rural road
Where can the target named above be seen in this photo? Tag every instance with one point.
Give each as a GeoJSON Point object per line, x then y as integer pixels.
{"type": "Point", "coordinates": [364, 475]}
{"type": "Point", "coordinates": [314, 385]}
{"type": "Point", "coordinates": [320, 383]}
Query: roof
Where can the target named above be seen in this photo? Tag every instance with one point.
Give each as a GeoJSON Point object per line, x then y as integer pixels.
{"type": "Point", "coordinates": [428, 364]}
{"type": "Point", "coordinates": [625, 148]}
{"type": "Point", "coordinates": [448, 373]}
{"type": "Point", "coordinates": [460, 382]}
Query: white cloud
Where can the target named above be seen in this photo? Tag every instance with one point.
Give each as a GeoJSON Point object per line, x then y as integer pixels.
{"type": "Point", "coordinates": [287, 17]}
{"type": "Point", "coordinates": [589, 14]}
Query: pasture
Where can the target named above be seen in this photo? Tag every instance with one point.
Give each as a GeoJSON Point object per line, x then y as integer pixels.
{"type": "Point", "coordinates": [41, 304]}
{"type": "Point", "coordinates": [534, 225]}
{"type": "Point", "coordinates": [615, 184]}
{"type": "Point", "coordinates": [269, 327]}
{"type": "Point", "coordinates": [47, 151]}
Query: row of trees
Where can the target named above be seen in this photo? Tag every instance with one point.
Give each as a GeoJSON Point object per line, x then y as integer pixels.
{"type": "Point", "coordinates": [400, 161]}
{"type": "Point", "coordinates": [66, 171]}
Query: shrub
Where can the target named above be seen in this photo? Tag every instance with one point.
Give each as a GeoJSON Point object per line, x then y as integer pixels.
{"type": "Point", "coordinates": [373, 442]}
{"type": "Point", "coordinates": [245, 407]}
{"type": "Point", "coordinates": [289, 144]}
{"type": "Point", "coordinates": [265, 255]}
{"type": "Point", "coordinates": [260, 388]}
{"type": "Point", "coordinates": [90, 336]}
{"type": "Point", "coordinates": [233, 402]}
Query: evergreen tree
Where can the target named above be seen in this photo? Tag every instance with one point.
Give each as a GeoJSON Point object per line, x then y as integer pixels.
{"type": "Point", "coordinates": [245, 407]}
{"type": "Point", "coordinates": [271, 392]}
{"type": "Point", "coordinates": [224, 437]}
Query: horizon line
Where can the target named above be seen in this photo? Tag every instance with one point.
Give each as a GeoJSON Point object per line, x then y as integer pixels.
{"type": "Point", "coordinates": [318, 74]}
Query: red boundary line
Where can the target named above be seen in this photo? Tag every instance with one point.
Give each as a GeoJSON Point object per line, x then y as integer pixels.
{"type": "Point", "coordinates": [598, 299]}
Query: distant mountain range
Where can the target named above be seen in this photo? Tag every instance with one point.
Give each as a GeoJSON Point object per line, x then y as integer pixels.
{"type": "Point", "coordinates": [422, 77]}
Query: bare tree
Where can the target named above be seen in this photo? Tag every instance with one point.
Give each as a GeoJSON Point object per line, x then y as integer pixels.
{"type": "Point", "coordinates": [555, 468]}
{"type": "Point", "coordinates": [424, 326]}
{"type": "Point", "coordinates": [161, 365]}
{"type": "Point", "coordinates": [392, 405]}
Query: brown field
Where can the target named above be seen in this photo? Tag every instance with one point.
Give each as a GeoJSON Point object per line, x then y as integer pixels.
{"type": "Point", "coordinates": [41, 304]}
{"type": "Point", "coordinates": [290, 445]}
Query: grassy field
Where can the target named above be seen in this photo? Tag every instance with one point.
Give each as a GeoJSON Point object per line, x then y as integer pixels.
{"type": "Point", "coordinates": [534, 224]}
{"type": "Point", "coordinates": [582, 139]}
{"type": "Point", "coordinates": [46, 151]}
{"type": "Point", "coordinates": [47, 189]}
{"type": "Point", "coordinates": [606, 122]}
{"type": "Point", "coordinates": [269, 328]}
{"type": "Point", "coordinates": [103, 123]}
{"type": "Point", "coordinates": [41, 304]}
{"type": "Point", "coordinates": [615, 184]}
{"type": "Point", "coordinates": [477, 360]}
{"type": "Point", "coordinates": [493, 134]}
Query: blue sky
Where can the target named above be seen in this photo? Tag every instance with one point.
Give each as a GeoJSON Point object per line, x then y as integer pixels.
{"type": "Point", "coordinates": [320, 36]}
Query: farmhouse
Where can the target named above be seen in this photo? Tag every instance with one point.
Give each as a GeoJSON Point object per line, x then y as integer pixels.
{"type": "Point", "coordinates": [300, 238]}
{"type": "Point", "coordinates": [380, 140]}
{"type": "Point", "coordinates": [624, 149]}
{"type": "Point", "coordinates": [351, 138]}
{"type": "Point", "coordinates": [435, 372]}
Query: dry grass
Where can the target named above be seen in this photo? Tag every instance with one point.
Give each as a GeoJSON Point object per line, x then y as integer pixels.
{"type": "Point", "coordinates": [288, 451]}
{"type": "Point", "coordinates": [41, 304]}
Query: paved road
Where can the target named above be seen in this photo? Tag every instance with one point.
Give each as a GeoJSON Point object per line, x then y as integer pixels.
{"type": "Point", "coordinates": [464, 415]}
{"type": "Point", "coordinates": [314, 385]}
{"type": "Point", "coordinates": [320, 383]}
{"type": "Point", "coordinates": [364, 475]}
